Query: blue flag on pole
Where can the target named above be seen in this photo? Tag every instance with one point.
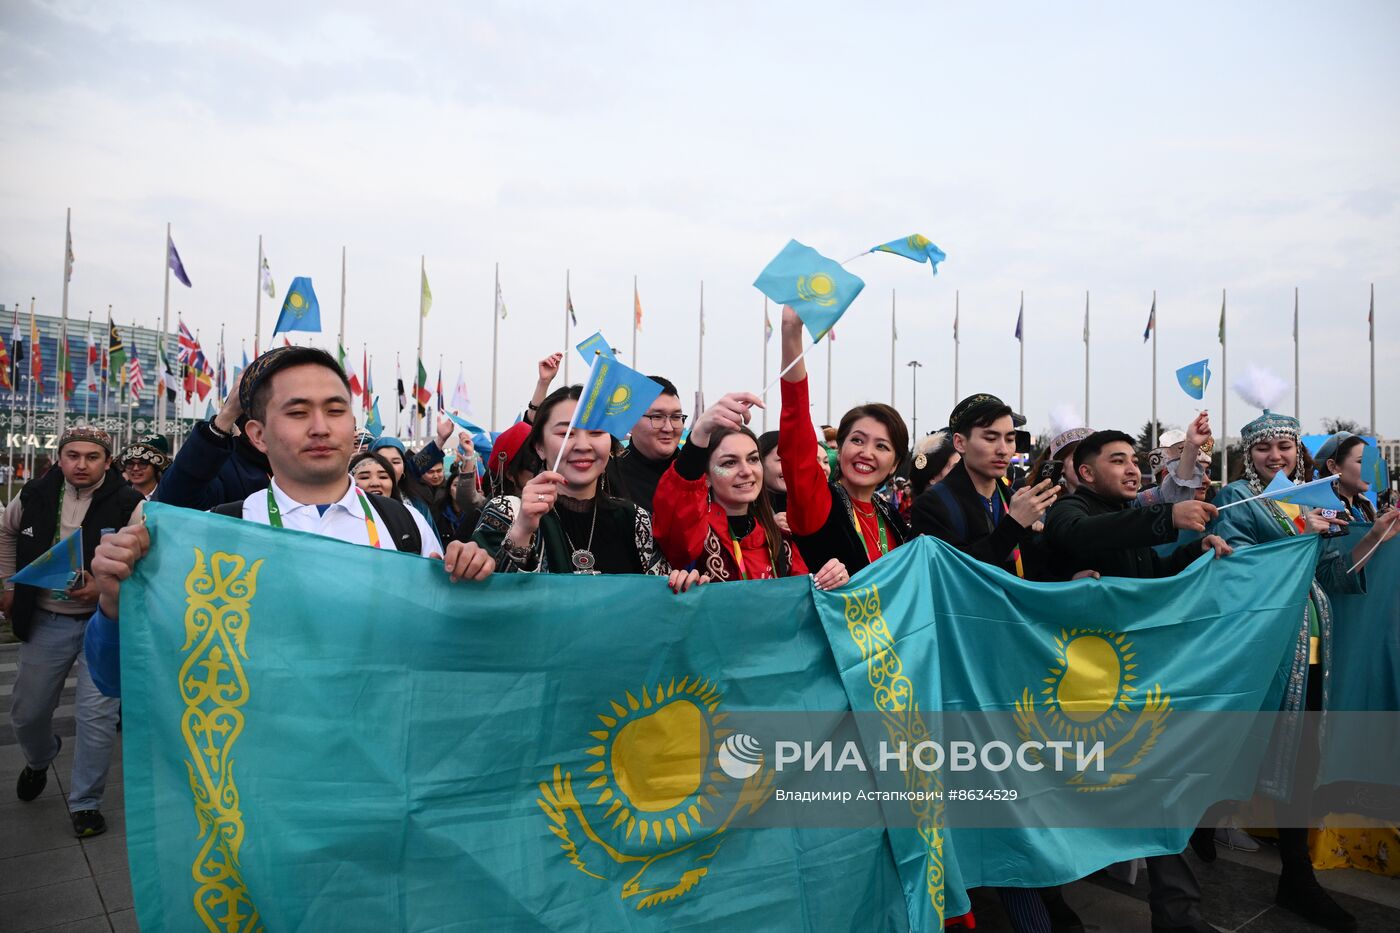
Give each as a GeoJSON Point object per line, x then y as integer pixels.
{"type": "Point", "coordinates": [916, 247]}
{"type": "Point", "coordinates": [595, 345]}
{"type": "Point", "coordinates": [464, 424]}
{"type": "Point", "coordinates": [614, 398]}
{"type": "Point", "coordinates": [1194, 379]}
{"type": "Point", "coordinates": [300, 309]}
{"type": "Point", "coordinates": [1317, 494]}
{"type": "Point", "coordinates": [816, 287]}
{"type": "Point", "coordinates": [375, 424]}
{"type": "Point", "coordinates": [172, 258]}
{"type": "Point", "coordinates": [54, 569]}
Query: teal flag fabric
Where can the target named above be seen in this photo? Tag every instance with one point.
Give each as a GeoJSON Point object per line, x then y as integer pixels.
{"type": "Point", "coordinates": [816, 287]}
{"type": "Point", "coordinates": [1194, 378]}
{"type": "Point", "coordinates": [595, 345]}
{"type": "Point", "coordinates": [917, 247]}
{"type": "Point", "coordinates": [300, 309]}
{"type": "Point", "coordinates": [54, 568]}
{"type": "Point", "coordinates": [614, 397]}
{"type": "Point", "coordinates": [320, 736]}
{"type": "Point", "coordinates": [929, 628]}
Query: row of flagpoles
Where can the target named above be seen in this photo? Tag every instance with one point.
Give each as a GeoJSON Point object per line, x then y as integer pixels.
{"type": "Point", "coordinates": [301, 312]}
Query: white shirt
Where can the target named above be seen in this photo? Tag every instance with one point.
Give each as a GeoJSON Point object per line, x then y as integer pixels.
{"type": "Point", "coordinates": [344, 520]}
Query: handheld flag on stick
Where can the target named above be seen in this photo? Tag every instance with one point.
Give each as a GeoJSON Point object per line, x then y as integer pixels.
{"type": "Point", "coordinates": [1194, 379]}
{"type": "Point", "coordinates": [1317, 494]}
{"type": "Point", "coordinates": [54, 569]}
{"type": "Point", "coordinates": [815, 287]}
{"type": "Point", "coordinates": [300, 309]}
{"type": "Point", "coordinates": [595, 344]}
{"type": "Point", "coordinates": [613, 400]}
{"type": "Point", "coordinates": [375, 424]}
{"type": "Point", "coordinates": [916, 247]}
{"type": "Point", "coordinates": [464, 424]}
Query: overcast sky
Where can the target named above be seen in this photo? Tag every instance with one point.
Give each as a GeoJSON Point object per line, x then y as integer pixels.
{"type": "Point", "coordinates": [1049, 148]}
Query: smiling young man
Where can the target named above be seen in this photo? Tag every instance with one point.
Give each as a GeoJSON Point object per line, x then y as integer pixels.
{"type": "Point", "coordinates": [82, 492]}
{"type": "Point", "coordinates": [299, 415]}
{"type": "Point", "coordinates": [652, 448]}
{"type": "Point", "coordinates": [973, 508]}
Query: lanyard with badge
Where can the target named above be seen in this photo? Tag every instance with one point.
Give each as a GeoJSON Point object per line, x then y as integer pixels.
{"type": "Point", "coordinates": [879, 523]}
{"type": "Point", "coordinates": [274, 515]}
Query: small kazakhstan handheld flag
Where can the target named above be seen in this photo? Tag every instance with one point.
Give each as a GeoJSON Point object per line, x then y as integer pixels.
{"type": "Point", "coordinates": [917, 247]}
{"type": "Point", "coordinates": [1317, 494]}
{"type": "Point", "coordinates": [614, 398]}
{"type": "Point", "coordinates": [595, 345]}
{"type": "Point", "coordinates": [300, 309]}
{"type": "Point", "coordinates": [54, 569]}
{"type": "Point", "coordinates": [816, 287]}
{"type": "Point", "coordinates": [1194, 378]}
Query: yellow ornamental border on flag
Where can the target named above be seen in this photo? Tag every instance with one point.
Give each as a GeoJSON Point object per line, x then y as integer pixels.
{"type": "Point", "coordinates": [664, 765]}
{"type": "Point", "coordinates": [214, 688]}
{"type": "Point", "coordinates": [1088, 695]}
{"type": "Point", "coordinates": [893, 694]}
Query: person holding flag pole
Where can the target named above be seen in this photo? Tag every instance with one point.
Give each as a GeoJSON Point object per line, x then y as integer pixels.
{"type": "Point", "coordinates": [565, 521]}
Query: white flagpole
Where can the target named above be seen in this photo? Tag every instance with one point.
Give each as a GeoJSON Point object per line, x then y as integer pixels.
{"type": "Point", "coordinates": [568, 299]}
{"type": "Point", "coordinates": [29, 417]}
{"type": "Point", "coordinates": [635, 301]}
{"type": "Point", "coordinates": [340, 341]}
{"type": "Point", "coordinates": [765, 361]}
{"type": "Point", "coordinates": [87, 395]}
{"type": "Point", "coordinates": [1372, 319]}
{"type": "Point", "coordinates": [1153, 314]}
{"type": "Point", "coordinates": [894, 337]}
{"type": "Point", "coordinates": [398, 380]}
{"type": "Point", "coordinates": [700, 367]}
{"type": "Point", "coordinates": [957, 342]}
{"type": "Point", "coordinates": [413, 403]}
{"type": "Point", "coordinates": [165, 325]}
{"type": "Point", "coordinates": [828, 376]}
{"type": "Point", "coordinates": [1086, 358]}
{"type": "Point", "coordinates": [257, 308]}
{"type": "Point", "coordinates": [1297, 387]}
{"type": "Point", "coordinates": [60, 381]}
{"type": "Point", "coordinates": [495, 340]}
{"type": "Point", "coordinates": [1224, 398]}
{"type": "Point", "coordinates": [1021, 319]}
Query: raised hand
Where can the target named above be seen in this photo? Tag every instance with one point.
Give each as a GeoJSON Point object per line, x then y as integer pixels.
{"type": "Point", "coordinates": [1030, 503]}
{"type": "Point", "coordinates": [731, 412]}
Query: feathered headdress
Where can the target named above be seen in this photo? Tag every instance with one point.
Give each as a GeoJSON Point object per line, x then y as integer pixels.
{"type": "Point", "coordinates": [1263, 389]}
{"type": "Point", "coordinates": [928, 445]}
{"type": "Point", "coordinates": [1260, 387]}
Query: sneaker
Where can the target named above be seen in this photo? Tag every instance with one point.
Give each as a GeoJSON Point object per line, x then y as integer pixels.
{"type": "Point", "coordinates": [31, 783]}
{"type": "Point", "coordinates": [1232, 837]}
{"type": "Point", "coordinates": [1306, 898]}
{"type": "Point", "coordinates": [88, 823]}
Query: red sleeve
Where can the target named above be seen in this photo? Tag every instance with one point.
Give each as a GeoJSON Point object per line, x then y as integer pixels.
{"type": "Point", "coordinates": [808, 496]}
{"type": "Point", "coordinates": [679, 517]}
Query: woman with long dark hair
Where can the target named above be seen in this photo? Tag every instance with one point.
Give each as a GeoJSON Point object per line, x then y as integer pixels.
{"type": "Point", "coordinates": [712, 511]}
{"type": "Point", "coordinates": [565, 521]}
{"type": "Point", "coordinates": [842, 518]}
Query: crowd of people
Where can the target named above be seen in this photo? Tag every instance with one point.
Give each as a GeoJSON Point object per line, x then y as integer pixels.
{"type": "Point", "coordinates": [713, 504]}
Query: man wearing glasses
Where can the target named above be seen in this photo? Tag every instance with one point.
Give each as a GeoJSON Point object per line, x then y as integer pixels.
{"type": "Point", "coordinates": [652, 447]}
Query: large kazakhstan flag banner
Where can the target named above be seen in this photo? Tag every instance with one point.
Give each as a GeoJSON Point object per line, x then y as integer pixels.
{"type": "Point", "coordinates": [326, 736]}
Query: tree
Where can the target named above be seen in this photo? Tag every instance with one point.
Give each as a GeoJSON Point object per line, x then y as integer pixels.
{"type": "Point", "coordinates": [1333, 425]}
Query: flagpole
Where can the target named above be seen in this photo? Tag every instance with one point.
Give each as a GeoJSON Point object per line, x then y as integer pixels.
{"type": "Point", "coordinates": [126, 377]}
{"type": "Point", "coordinates": [700, 369]}
{"type": "Point", "coordinates": [828, 376]}
{"type": "Point", "coordinates": [766, 359]}
{"type": "Point", "coordinates": [894, 336]}
{"type": "Point", "coordinates": [106, 366]}
{"type": "Point", "coordinates": [567, 299]}
{"type": "Point", "coordinates": [61, 381]}
{"type": "Point", "coordinates": [1086, 357]}
{"type": "Point", "coordinates": [340, 341]}
{"type": "Point", "coordinates": [1021, 398]}
{"type": "Point", "coordinates": [1297, 387]}
{"type": "Point", "coordinates": [957, 342]}
{"type": "Point", "coordinates": [1154, 368]}
{"type": "Point", "coordinates": [257, 308]}
{"type": "Point", "coordinates": [413, 405]}
{"type": "Point", "coordinates": [634, 322]}
{"type": "Point", "coordinates": [398, 381]}
{"type": "Point", "coordinates": [165, 320]}
{"type": "Point", "coordinates": [87, 395]}
{"type": "Point", "coordinates": [495, 340]}
{"type": "Point", "coordinates": [1224, 398]}
{"type": "Point", "coordinates": [29, 417]}
{"type": "Point", "coordinates": [1372, 319]}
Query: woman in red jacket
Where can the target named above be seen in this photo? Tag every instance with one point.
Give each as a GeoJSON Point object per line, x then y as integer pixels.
{"type": "Point", "coordinates": [843, 518]}
{"type": "Point", "coordinates": [711, 510]}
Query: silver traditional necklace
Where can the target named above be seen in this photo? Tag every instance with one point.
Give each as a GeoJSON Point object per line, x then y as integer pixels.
{"type": "Point", "coordinates": [583, 560]}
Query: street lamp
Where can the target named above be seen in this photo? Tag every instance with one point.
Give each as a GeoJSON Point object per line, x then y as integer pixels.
{"type": "Point", "coordinates": [915, 366]}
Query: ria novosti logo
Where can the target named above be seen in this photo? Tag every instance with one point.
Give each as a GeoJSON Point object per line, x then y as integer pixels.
{"type": "Point", "coordinates": [740, 756]}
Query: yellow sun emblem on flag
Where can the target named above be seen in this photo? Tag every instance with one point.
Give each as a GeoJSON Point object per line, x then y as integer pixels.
{"type": "Point", "coordinates": [918, 241]}
{"type": "Point", "coordinates": [1088, 696]}
{"type": "Point", "coordinates": [297, 303]}
{"type": "Point", "coordinates": [619, 401]}
{"type": "Point", "coordinates": [1196, 380]}
{"type": "Point", "coordinates": [819, 289]}
{"type": "Point", "coordinates": [658, 800]}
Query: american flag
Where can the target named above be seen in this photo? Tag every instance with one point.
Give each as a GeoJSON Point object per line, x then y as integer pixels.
{"type": "Point", "coordinates": [135, 378]}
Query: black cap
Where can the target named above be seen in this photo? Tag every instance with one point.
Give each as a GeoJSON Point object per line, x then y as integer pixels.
{"type": "Point", "coordinates": [276, 359]}
{"type": "Point", "coordinates": [974, 408]}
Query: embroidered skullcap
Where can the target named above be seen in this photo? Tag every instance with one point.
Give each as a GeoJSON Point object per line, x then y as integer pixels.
{"type": "Point", "coordinates": [86, 432]}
